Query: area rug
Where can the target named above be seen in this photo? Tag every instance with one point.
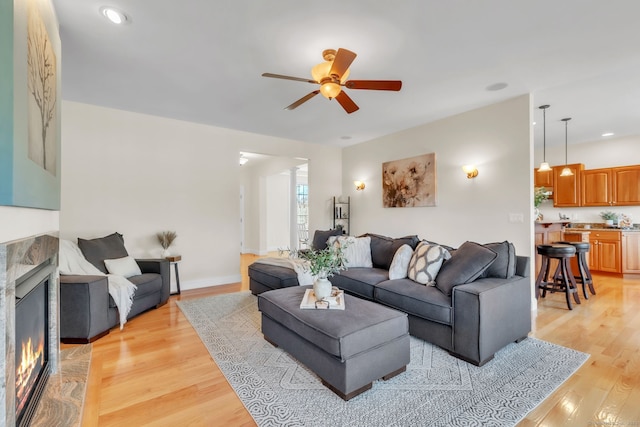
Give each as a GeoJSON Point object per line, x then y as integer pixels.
{"type": "Point", "coordinates": [436, 390]}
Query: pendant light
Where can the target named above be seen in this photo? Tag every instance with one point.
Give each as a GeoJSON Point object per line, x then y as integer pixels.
{"type": "Point", "coordinates": [544, 166]}
{"type": "Point", "coordinates": [566, 171]}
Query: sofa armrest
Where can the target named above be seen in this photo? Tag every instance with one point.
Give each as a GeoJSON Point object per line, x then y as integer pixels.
{"type": "Point", "coordinates": [161, 267]}
{"type": "Point", "coordinates": [489, 314]}
{"type": "Point", "coordinates": [523, 266]}
{"type": "Point", "coordinates": [84, 308]}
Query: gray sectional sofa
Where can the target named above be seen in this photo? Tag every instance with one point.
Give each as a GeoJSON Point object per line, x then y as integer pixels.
{"type": "Point", "coordinates": [481, 301]}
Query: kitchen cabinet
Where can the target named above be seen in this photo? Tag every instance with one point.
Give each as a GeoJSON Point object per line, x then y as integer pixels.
{"type": "Point", "coordinates": [566, 189]}
{"type": "Point", "coordinates": [619, 186]}
{"type": "Point", "coordinates": [631, 252]}
{"type": "Point", "coordinates": [606, 251]}
{"type": "Point", "coordinates": [626, 189]}
{"type": "Point", "coordinates": [543, 179]}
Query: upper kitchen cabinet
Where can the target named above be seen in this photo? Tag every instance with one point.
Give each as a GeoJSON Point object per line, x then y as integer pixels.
{"type": "Point", "coordinates": [543, 179]}
{"type": "Point", "coordinates": [619, 186]}
{"type": "Point", "coordinates": [626, 190]}
{"type": "Point", "coordinates": [566, 189]}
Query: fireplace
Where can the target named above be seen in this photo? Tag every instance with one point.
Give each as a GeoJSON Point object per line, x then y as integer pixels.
{"type": "Point", "coordinates": [29, 318]}
{"type": "Point", "coordinates": [32, 353]}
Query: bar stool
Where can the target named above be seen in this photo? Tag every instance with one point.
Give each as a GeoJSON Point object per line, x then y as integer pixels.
{"type": "Point", "coordinates": [567, 283]}
{"type": "Point", "coordinates": [582, 249]}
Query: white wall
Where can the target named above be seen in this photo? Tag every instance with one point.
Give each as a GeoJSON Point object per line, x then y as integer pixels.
{"type": "Point", "coordinates": [139, 174]}
{"type": "Point", "coordinates": [495, 138]}
{"type": "Point", "coordinates": [607, 152]}
{"type": "Point", "coordinates": [278, 210]}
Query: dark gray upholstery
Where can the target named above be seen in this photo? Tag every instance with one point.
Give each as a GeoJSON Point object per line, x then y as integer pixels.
{"type": "Point", "coordinates": [383, 248]}
{"type": "Point", "coordinates": [108, 247]}
{"type": "Point", "coordinates": [320, 238]}
{"type": "Point", "coordinates": [361, 281]}
{"type": "Point", "coordinates": [466, 264]}
{"type": "Point", "coordinates": [265, 277]}
{"type": "Point", "coordinates": [348, 348]}
{"type": "Point", "coordinates": [504, 267]}
{"type": "Point", "coordinates": [475, 321]}
{"type": "Point", "coordinates": [87, 311]}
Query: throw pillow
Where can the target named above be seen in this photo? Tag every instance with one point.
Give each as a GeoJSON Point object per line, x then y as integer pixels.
{"type": "Point", "coordinates": [504, 267]}
{"type": "Point", "coordinates": [97, 250]}
{"type": "Point", "coordinates": [426, 262]}
{"type": "Point", "coordinates": [320, 238]}
{"type": "Point", "coordinates": [384, 248]}
{"type": "Point", "coordinates": [126, 266]}
{"type": "Point", "coordinates": [400, 264]}
{"type": "Point", "coordinates": [356, 250]}
{"type": "Point", "coordinates": [467, 263]}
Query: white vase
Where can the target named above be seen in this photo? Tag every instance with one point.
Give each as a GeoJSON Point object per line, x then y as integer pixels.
{"type": "Point", "coordinates": [608, 222]}
{"type": "Point", "coordinates": [165, 253]}
{"type": "Point", "coordinates": [322, 288]}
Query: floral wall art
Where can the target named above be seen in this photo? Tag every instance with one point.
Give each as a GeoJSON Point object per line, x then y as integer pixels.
{"type": "Point", "coordinates": [409, 182]}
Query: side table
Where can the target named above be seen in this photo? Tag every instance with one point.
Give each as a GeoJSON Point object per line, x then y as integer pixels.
{"type": "Point", "coordinates": [174, 260]}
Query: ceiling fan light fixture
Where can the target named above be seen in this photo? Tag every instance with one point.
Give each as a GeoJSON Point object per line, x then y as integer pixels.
{"type": "Point", "coordinates": [330, 90]}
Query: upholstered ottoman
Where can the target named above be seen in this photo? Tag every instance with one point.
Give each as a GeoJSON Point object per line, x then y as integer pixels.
{"type": "Point", "coordinates": [348, 349]}
{"type": "Point", "coordinates": [265, 277]}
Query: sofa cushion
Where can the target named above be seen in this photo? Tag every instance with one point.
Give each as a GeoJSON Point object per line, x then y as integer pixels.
{"type": "Point", "coordinates": [384, 248]}
{"type": "Point", "coordinates": [359, 281]}
{"type": "Point", "coordinates": [400, 263]}
{"type": "Point", "coordinates": [356, 250]}
{"type": "Point", "coordinates": [426, 262]}
{"type": "Point", "coordinates": [467, 263]}
{"type": "Point", "coordinates": [320, 238]}
{"type": "Point", "coordinates": [406, 295]}
{"type": "Point", "coordinates": [97, 250]}
{"type": "Point", "coordinates": [147, 283]}
{"type": "Point", "coordinates": [125, 266]}
{"type": "Point", "coordinates": [504, 267]}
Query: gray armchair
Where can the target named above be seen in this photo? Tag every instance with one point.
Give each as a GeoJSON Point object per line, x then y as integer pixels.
{"type": "Point", "coordinates": [87, 311]}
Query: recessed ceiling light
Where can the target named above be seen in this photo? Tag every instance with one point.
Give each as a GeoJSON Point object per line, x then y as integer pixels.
{"type": "Point", "coordinates": [608, 134]}
{"type": "Point", "coordinates": [114, 15]}
{"type": "Point", "coordinates": [496, 86]}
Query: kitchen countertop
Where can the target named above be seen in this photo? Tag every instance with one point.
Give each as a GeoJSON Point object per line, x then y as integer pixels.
{"type": "Point", "coordinates": [582, 230]}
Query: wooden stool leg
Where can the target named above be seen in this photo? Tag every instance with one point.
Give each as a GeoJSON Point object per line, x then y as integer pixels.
{"type": "Point", "coordinates": [588, 274]}
{"type": "Point", "coordinates": [583, 276]}
{"type": "Point", "coordinates": [567, 285]}
{"type": "Point", "coordinates": [542, 277]}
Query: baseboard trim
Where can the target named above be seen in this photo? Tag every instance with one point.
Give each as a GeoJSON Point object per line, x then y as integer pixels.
{"type": "Point", "coordinates": [211, 281]}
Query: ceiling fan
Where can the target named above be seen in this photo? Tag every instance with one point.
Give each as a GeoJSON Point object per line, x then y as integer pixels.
{"type": "Point", "coordinates": [332, 76]}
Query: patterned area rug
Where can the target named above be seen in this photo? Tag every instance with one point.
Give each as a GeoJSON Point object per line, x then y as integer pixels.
{"type": "Point", "coordinates": [436, 390]}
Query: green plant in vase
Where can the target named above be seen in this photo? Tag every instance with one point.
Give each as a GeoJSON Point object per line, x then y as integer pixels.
{"type": "Point", "coordinates": [323, 264]}
{"type": "Point", "coordinates": [609, 217]}
{"type": "Point", "coordinates": [540, 194]}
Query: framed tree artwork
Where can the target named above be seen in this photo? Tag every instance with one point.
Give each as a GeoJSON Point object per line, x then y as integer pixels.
{"type": "Point", "coordinates": [409, 182]}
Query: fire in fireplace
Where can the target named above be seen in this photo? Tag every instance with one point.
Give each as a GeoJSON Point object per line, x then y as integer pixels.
{"type": "Point", "coordinates": [31, 346]}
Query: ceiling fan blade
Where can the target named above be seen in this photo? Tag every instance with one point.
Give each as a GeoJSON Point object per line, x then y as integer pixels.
{"type": "Point", "coordinates": [346, 102]}
{"type": "Point", "coordinates": [302, 100]}
{"type": "Point", "coordinates": [280, 76]}
{"type": "Point", "coordinates": [374, 84]}
{"type": "Point", "coordinates": [342, 61]}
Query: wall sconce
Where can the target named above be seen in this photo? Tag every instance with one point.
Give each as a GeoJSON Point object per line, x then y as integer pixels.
{"type": "Point", "coordinates": [470, 170]}
{"type": "Point", "coordinates": [359, 185]}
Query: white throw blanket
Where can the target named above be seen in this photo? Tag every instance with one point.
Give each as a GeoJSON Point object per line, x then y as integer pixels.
{"type": "Point", "coordinates": [300, 266]}
{"type": "Point", "coordinates": [72, 261]}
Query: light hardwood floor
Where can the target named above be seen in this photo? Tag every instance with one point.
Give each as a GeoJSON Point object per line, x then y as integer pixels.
{"type": "Point", "coordinates": [157, 372]}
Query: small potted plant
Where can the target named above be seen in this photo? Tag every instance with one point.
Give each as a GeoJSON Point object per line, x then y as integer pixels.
{"type": "Point", "coordinates": [539, 195]}
{"type": "Point", "coordinates": [323, 264]}
{"type": "Point", "coordinates": [608, 217]}
{"type": "Point", "coordinates": [166, 239]}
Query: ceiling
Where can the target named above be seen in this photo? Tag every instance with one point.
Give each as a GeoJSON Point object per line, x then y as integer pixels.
{"type": "Point", "coordinates": [202, 60]}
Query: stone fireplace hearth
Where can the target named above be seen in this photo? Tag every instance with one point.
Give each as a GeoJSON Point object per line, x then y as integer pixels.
{"type": "Point", "coordinates": [18, 258]}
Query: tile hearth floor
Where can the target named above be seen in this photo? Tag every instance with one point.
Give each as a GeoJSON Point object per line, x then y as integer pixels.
{"type": "Point", "coordinates": [63, 398]}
